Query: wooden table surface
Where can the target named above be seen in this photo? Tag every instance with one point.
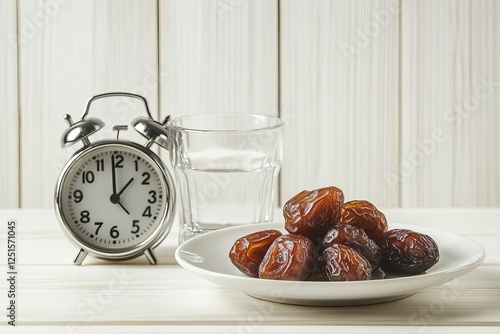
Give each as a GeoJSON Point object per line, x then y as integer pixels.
{"type": "Point", "coordinates": [55, 296]}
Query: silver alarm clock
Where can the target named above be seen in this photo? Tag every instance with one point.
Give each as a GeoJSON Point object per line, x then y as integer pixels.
{"type": "Point", "coordinates": [115, 198]}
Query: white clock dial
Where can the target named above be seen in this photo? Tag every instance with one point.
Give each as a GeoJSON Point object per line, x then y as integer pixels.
{"type": "Point", "coordinates": [115, 198]}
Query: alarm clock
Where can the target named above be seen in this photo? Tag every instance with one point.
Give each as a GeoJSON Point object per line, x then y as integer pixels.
{"type": "Point", "coordinates": [115, 198]}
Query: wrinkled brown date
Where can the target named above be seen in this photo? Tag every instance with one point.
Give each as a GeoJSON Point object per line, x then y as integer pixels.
{"type": "Point", "coordinates": [366, 216]}
{"type": "Point", "coordinates": [348, 240]}
{"type": "Point", "coordinates": [248, 251]}
{"type": "Point", "coordinates": [356, 238]}
{"type": "Point", "coordinates": [408, 251]}
{"type": "Point", "coordinates": [342, 263]}
{"type": "Point", "coordinates": [313, 213]}
{"type": "Point", "coordinates": [290, 257]}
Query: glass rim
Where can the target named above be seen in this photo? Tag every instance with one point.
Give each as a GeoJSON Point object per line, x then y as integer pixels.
{"type": "Point", "coordinates": [278, 123]}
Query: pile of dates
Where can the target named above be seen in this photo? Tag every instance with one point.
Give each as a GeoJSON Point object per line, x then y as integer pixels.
{"type": "Point", "coordinates": [344, 241]}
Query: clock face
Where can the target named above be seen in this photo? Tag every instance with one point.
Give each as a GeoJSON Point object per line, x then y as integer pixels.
{"type": "Point", "coordinates": [113, 197]}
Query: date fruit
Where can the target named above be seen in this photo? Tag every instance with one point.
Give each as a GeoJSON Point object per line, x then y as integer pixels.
{"type": "Point", "coordinates": [342, 263]}
{"type": "Point", "coordinates": [408, 251]}
{"type": "Point", "coordinates": [248, 251]}
{"type": "Point", "coordinates": [313, 213]}
{"type": "Point", "coordinates": [290, 257]}
{"type": "Point", "coordinates": [366, 216]}
{"type": "Point", "coordinates": [354, 237]}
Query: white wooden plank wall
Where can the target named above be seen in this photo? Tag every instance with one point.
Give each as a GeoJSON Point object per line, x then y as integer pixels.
{"type": "Point", "coordinates": [74, 50]}
{"type": "Point", "coordinates": [374, 93]}
{"type": "Point", "coordinates": [451, 103]}
{"type": "Point", "coordinates": [339, 97]}
{"type": "Point", "coordinates": [9, 127]}
{"type": "Point", "coordinates": [219, 56]}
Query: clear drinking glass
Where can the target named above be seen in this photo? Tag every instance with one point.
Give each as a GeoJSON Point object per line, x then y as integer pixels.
{"type": "Point", "coordinates": [226, 168]}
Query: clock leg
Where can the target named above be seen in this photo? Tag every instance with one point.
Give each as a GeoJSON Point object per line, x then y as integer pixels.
{"type": "Point", "coordinates": [151, 256]}
{"type": "Point", "coordinates": [80, 257]}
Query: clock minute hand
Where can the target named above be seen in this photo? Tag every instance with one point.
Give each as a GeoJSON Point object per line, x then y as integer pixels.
{"type": "Point", "coordinates": [115, 198]}
{"type": "Point", "coordinates": [113, 173]}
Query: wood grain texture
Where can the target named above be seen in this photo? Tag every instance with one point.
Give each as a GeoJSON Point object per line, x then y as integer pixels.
{"type": "Point", "coordinates": [339, 97]}
{"type": "Point", "coordinates": [134, 293]}
{"type": "Point", "coordinates": [451, 100]}
{"type": "Point", "coordinates": [70, 51]}
{"type": "Point", "coordinates": [219, 56]}
{"type": "Point", "coordinates": [422, 131]}
{"type": "Point", "coordinates": [9, 127]}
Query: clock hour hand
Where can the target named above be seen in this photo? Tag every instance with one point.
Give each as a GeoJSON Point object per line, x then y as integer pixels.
{"type": "Point", "coordinates": [125, 187]}
{"type": "Point", "coordinates": [115, 198]}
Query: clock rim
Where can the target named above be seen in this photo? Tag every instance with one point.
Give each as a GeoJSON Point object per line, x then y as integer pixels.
{"type": "Point", "coordinates": [167, 216]}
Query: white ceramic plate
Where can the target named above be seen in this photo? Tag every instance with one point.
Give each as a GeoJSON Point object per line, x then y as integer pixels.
{"type": "Point", "coordinates": [207, 256]}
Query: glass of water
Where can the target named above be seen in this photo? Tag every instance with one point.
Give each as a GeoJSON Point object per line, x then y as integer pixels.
{"type": "Point", "coordinates": [226, 168]}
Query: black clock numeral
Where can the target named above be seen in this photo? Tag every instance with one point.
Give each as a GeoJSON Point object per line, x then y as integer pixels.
{"type": "Point", "coordinates": [119, 161]}
{"type": "Point", "coordinates": [114, 233]}
{"type": "Point", "coordinates": [147, 212]}
{"type": "Point", "coordinates": [146, 177]}
{"type": "Point", "coordinates": [100, 165]}
{"type": "Point", "coordinates": [78, 195]}
{"type": "Point", "coordinates": [88, 177]}
{"type": "Point", "coordinates": [135, 226]}
{"type": "Point", "coordinates": [152, 200]}
{"type": "Point", "coordinates": [84, 217]}
{"type": "Point", "coordinates": [99, 225]}
{"type": "Point", "coordinates": [136, 162]}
